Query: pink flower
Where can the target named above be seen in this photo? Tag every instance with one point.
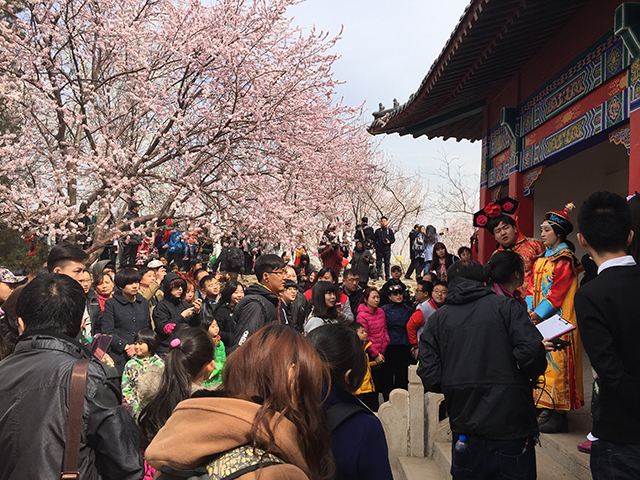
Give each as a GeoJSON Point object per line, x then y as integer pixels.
{"type": "Point", "coordinates": [481, 220]}
{"type": "Point", "coordinates": [168, 328]}
{"type": "Point", "coordinates": [508, 206]}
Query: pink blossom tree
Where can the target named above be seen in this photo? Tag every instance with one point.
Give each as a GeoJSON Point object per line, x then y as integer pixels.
{"type": "Point", "coordinates": [224, 114]}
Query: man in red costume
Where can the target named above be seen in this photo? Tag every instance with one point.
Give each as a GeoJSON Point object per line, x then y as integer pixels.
{"type": "Point", "coordinates": [496, 218]}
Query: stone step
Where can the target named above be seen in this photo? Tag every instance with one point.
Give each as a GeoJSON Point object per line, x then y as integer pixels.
{"type": "Point", "coordinates": [547, 467]}
{"type": "Point", "coordinates": [414, 468]}
{"type": "Point", "coordinates": [562, 448]}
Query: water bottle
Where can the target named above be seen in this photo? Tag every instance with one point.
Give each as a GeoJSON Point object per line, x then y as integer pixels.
{"type": "Point", "coordinates": [461, 445]}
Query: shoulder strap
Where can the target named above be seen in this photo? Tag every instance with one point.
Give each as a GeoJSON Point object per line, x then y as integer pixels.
{"type": "Point", "coordinates": [341, 412]}
{"type": "Point", "coordinates": [74, 422]}
{"type": "Point", "coordinates": [228, 465]}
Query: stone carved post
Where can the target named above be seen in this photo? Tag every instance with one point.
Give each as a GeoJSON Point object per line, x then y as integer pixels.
{"type": "Point", "coordinates": [417, 419]}
{"type": "Point", "coordinates": [394, 416]}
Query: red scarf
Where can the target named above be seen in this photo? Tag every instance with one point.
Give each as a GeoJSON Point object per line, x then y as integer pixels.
{"type": "Point", "coordinates": [101, 301]}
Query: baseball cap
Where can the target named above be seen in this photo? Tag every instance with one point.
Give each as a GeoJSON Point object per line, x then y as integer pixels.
{"type": "Point", "coordinates": [396, 289]}
{"type": "Point", "coordinates": [155, 264]}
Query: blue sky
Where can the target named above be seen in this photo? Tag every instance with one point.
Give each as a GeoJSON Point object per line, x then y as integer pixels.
{"type": "Point", "coordinates": [387, 48]}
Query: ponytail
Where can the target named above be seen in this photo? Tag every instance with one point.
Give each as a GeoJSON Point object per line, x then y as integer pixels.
{"type": "Point", "coordinates": [191, 350]}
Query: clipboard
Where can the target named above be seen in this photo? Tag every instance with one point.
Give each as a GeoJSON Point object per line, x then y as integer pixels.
{"type": "Point", "coordinates": [554, 327]}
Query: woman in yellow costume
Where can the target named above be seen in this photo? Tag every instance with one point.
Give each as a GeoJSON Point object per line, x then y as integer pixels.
{"type": "Point", "coordinates": [551, 290]}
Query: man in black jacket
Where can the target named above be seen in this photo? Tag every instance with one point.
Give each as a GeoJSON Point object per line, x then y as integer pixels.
{"type": "Point", "coordinates": [481, 350]}
{"type": "Point", "coordinates": [34, 394]}
{"type": "Point", "coordinates": [383, 238]}
{"type": "Point", "coordinates": [261, 302]}
{"type": "Point", "coordinates": [608, 313]}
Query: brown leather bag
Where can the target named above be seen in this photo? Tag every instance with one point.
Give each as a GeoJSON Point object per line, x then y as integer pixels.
{"type": "Point", "coordinates": [70, 469]}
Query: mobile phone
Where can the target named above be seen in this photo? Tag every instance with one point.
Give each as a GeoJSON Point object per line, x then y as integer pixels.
{"type": "Point", "coordinates": [100, 344]}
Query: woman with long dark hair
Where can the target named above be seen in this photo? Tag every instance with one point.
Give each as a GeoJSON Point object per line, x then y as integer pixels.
{"type": "Point", "coordinates": [231, 294]}
{"type": "Point", "coordinates": [322, 308]}
{"type": "Point", "coordinates": [266, 419]}
{"type": "Point", "coordinates": [186, 366]}
{"type": "Point", "coordinates": [359, 445]}
{"type": "Point", "coordinates": [442, 260]}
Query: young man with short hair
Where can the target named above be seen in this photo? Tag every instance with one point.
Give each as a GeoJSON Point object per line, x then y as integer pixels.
{"type": "Point", "coordinates": [287, 298]}
{"type": "Point", "coordinates": [503, 228]}
{"type": "Point", "coordinates": [608, 313]}
{"type": "Point", "coordinates": [68, 259]}
{"type": "Point", "coordinates": [261, 303]}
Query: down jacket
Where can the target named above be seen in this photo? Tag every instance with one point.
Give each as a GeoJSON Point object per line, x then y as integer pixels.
{"type": "Point", "coordinates": [169, 310]}
{"type": "Point", "coordinates": [376, 326]}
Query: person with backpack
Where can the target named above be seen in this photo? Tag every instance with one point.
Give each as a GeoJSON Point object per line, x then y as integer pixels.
{"type": "Point", "coordinates": [231, 260]}
{"type": "Point", "coordinates": [358, 444]}
{"type": "Point", "coordinates": [176, 248]}
{"type": "Point", "coordinates": [266, 422]}
{"type": "Point", "coordinates": [364, 234]}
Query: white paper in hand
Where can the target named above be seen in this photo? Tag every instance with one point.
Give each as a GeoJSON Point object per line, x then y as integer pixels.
{"type": "Point", "coordinates": [555, 326]}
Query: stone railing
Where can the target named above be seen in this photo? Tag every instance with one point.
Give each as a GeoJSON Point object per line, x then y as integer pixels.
{"type": "Point", "coordinates": [413, 420]}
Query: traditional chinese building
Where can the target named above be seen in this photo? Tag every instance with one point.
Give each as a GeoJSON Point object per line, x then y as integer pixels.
{"type": "Point", "coordinates": [550, 87]}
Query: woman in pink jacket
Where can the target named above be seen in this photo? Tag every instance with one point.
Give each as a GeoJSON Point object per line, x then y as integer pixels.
{"type": "Point", "coordinates": [375, 323]}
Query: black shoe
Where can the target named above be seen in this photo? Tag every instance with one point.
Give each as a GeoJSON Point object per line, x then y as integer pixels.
{"type": "Point", "coordinates": [552, 421]}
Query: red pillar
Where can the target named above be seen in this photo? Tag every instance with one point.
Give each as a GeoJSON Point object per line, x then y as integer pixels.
{"type": "Point", "coordinates": [524, 215]}
{"type": "Point", "coordinates": [634, 151]}
{"type": "Point", "coordinates": [486, 242]}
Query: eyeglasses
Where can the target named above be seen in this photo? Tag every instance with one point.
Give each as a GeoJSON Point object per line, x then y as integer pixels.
{"type": "Point", "coordinates": [85, 282]}
{"type": "Point", "coordinates": [440, 292]}
{"type": "Point", "coordinates": [280, 273]}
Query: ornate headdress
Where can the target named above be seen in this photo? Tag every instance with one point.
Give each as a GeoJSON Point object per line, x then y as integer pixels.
{"type": "Point", "coordinates": [561, 219]}
{"type": "Point", "coordinates": [504, 205]}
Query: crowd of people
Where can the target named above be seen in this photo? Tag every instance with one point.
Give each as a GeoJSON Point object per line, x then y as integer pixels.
{"type": "Point", "coordinates": [194, 370]}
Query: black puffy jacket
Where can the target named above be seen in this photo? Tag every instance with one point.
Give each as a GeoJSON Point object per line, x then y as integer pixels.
{"type": "Point", "coordinates": [169, 310]}
{"type": "Point", "coordinates": [481, 350]}
{"type": "Point", "coordinates": [258, 307]}
{"type": "Point", "coordinates": [34, 404]}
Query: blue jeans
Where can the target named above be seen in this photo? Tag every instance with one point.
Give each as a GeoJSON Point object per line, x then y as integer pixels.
{"type": "Point", "coordinates": [386, 257]}
{"type": "Point", "coordinates": [494, 459]}
{"type": "Point", "coordinates": [615, 461]}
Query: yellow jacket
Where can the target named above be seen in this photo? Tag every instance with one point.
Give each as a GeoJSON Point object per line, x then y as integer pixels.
{"type": "Point", "coordinates": [367, 384]}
